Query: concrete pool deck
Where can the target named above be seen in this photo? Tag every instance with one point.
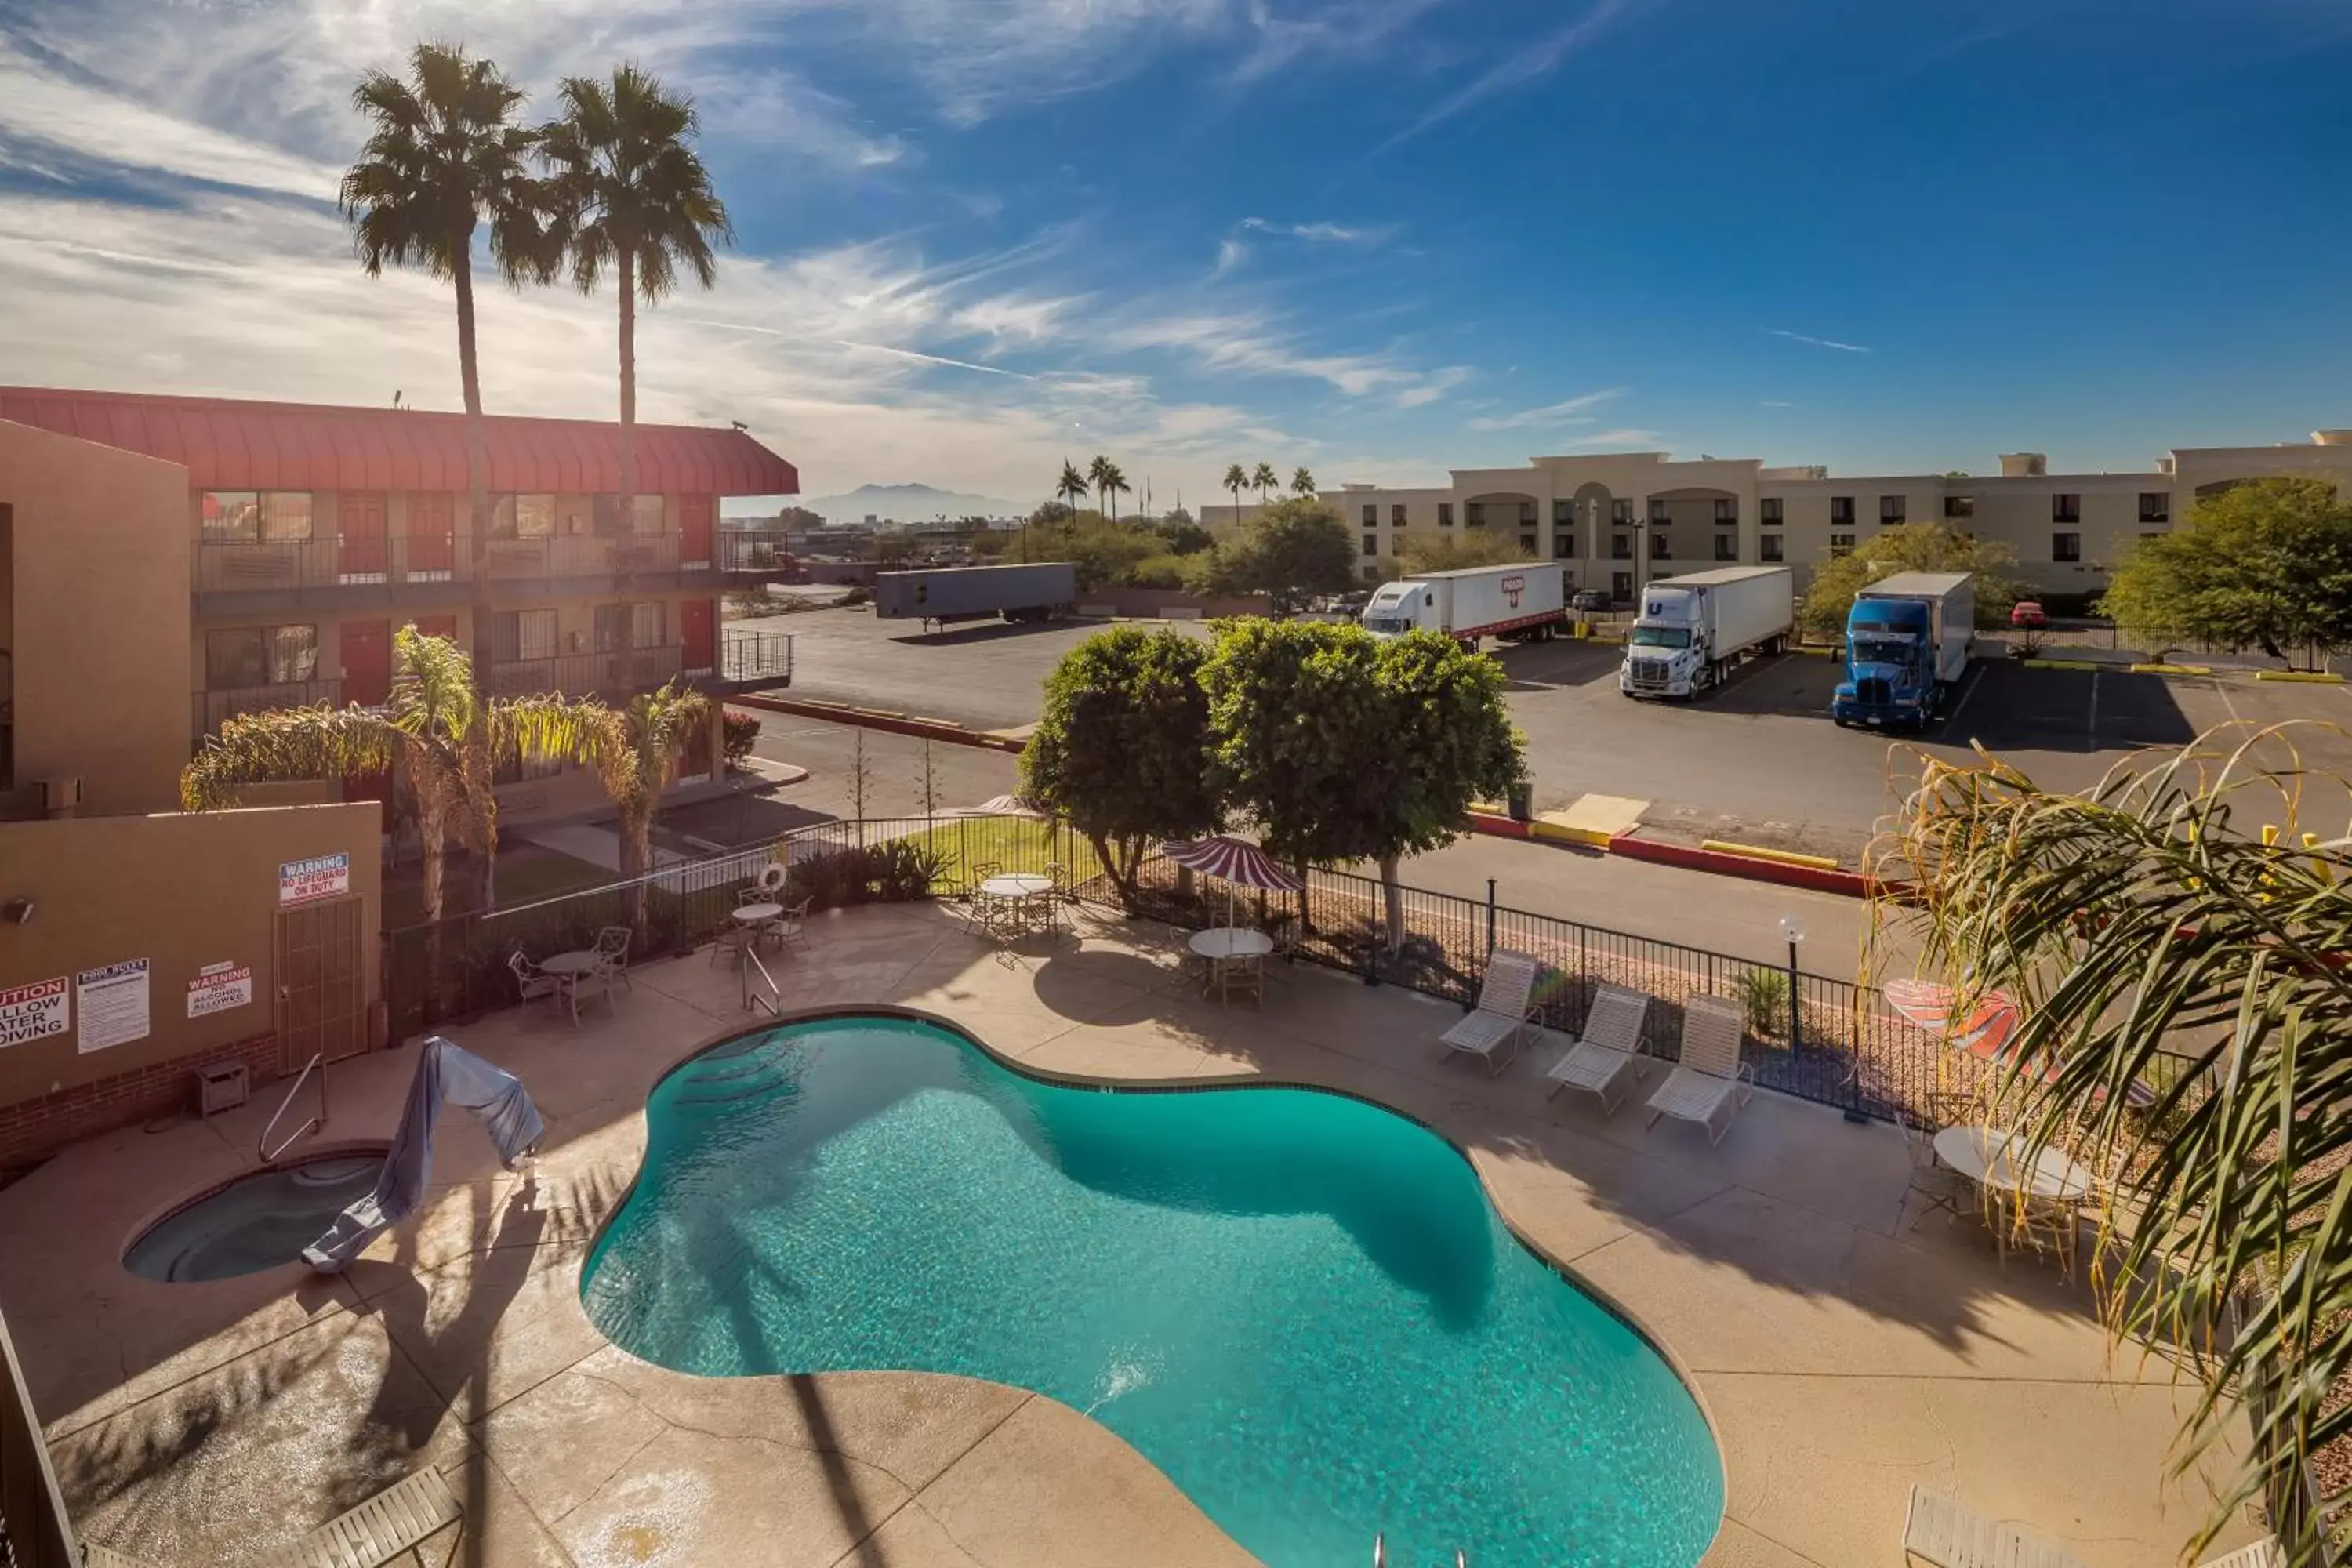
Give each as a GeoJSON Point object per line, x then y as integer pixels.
{"type": "Point", "coordinates": [1839, 1355]}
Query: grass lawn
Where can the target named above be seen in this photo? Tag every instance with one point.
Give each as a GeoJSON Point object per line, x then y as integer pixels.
{"type": "Point", "coordinates": [1011, 843]}
{"type": "Point", "coordinates": [527, 873]}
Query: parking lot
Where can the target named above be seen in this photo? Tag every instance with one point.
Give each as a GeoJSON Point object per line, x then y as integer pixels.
{"type": "Point", "coordinates": [1758, 760]}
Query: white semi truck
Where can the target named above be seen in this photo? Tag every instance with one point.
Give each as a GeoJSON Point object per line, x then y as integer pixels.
{"type": "Point", "coordinates": [1693, 630]}
{"type": "Point", "coordinates": [1519, 602]}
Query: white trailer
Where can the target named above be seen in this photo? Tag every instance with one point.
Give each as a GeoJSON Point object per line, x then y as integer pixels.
{"type": "Point", "coordinates": [1518, 603]}
{"type": "Point", "coordinates": [1693, 630]}
{"type": "Point", "coordinates": [1951, 601]}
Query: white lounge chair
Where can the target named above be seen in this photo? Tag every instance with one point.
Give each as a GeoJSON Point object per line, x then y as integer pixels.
{"type": "Point", "coordinates": [1493, 1032]}
{"type": "Point", "coordinates": [2264, 1553]}
{"type": "Point", "coordinates": [1709, 1075]}
{"type": "Point", "coordinates": [1942, 1531]}
{"type": "Point", "coordinates": [385, 1526]}
{"type": "Point", "coordinates": [1607, 1047]}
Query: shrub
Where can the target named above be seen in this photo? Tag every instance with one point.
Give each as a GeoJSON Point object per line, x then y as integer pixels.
{"type": "Point", "coordinates": [895, 872]}
{"type": "Point", "coordinates": [1764, 996]}
{"type": "Point", "coordinates": [1164, 571]}
{"type": "Point", "coordinates": [859, 594]}
{"type": "Point", "coordinates": [741, 730]}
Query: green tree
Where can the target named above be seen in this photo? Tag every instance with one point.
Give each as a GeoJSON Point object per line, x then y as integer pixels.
{"type": "Point", "coordinates": [434, 736]}
{"type": "Point", "coordinates": [1121, 750]}
{"type": "Point", "coordinates": [1099, 473]}
{"type": "Point", "coordinates": [634, 752]}
{"type": "Point", "coordinates": [1342, 747]}
{"type": "Point", "coordinates": [1444, 553]}
{"type": "Point", "coordinates": [1236, 480]}
{"type": "Point", "coordinates": [1114, 485]}
{"type": "Point", "coordinates": [2150, 942]}
{"type": "Point", "coordinates": [1183, 536]}
{"type": "Point", "coordinates": [1102, 551]}
{"type": "Point", "coordinates": [1265, 481]}
{"type": "Point", "coordinates": [2267, 563]}
{"type": "Point", "coordinates": [1302, 484]}
{"type": "Point", "coordinates": [1293, 550]}
{"type": "Point", "coordinates": [1912, 547]}
{"type": "Point", "coordinates": [629, 194]}
{"type": "Point", "coordinates": [1072, 487]}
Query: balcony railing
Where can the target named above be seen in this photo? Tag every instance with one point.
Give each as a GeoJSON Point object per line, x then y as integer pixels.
{"type": "Point", "coordinates": [577, 555]}
{"type": "Point", "coordinates": [750, 550]}
{"type": "Point", "coordinates": [221, 703]}
{"type": "Point", "coordinates": [755, 659]}
{"type": "Point", "coordinates": [408, 565]}
{"type": "Point", "coordinates": [615, 673]}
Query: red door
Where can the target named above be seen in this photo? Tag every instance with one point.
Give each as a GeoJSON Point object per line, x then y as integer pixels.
{"type": "Point", "coordinates": [432, 536]}
{"type": "Point", "coordinates": [694, 623]}
{"type": "Point", "coordinates": [693, 523]}
{"type": "Point", "coordinates": [436, 626]}
{"type": "Point", "coordinates": [359, 520]}
{"type": "Point", "coordinates": [367, 662]}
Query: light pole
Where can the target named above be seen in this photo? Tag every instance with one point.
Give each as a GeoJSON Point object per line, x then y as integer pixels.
{"type": "Point", "coordinates": [1793, 930]}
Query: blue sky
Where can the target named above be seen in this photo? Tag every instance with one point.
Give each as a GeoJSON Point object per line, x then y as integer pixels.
{"type": "Point", "coordinates": [1380, 238]}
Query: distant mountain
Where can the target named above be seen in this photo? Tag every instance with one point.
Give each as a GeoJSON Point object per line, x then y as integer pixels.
{"type": "Point", "coordinates": [908, 503]}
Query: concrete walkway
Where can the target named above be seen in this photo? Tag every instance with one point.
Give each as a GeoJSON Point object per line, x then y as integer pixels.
{"type": "Point", "coordinates": [1841, 1355]}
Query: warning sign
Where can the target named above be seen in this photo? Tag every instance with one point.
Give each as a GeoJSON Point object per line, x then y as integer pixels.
{"type": "Point", "coordinates": [321, 876]}
{"type": "Point", "coordinates": [33, 1012]}
{"type": "Point", "coordinates": [113, 1002]}
{"type": "Point", "coordinates": [219, 987]}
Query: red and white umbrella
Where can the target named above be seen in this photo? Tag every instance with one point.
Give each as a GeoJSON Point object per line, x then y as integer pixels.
{"type": "Point", "coordinates": [1239, 862]}
{"type": "Point", "coordinates": [1986, 1029]}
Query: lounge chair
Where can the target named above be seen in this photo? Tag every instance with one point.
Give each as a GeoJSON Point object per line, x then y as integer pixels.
{"type": "Point", "coordinates": [1609, 1045]}
{"type": "Point", "coordinates": [1941, 1532]}
{"type": "Point", "coordinates": [1708, 1077]}
{"type": "Point", "coordinates": [386, 1526]}
{"type": "Point", "coordinates": [2264, 1553]}
{"type": "Point", "coordinates": [1494, 1031]}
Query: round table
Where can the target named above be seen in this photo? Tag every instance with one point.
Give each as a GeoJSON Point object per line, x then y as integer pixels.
{"type": "Point", "coordinates": [1017, 885]}
{"type": "Point", "coordinates": [1231, 941]}
{"type": "Point", "coordinates": [1991, 1158]}
{"type": "Point", "coordinates": [758, 914]}
{"type": "Point", "coordinates": [573, 965]}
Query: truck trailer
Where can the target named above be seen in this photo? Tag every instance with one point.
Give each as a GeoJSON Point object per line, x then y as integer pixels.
{"type": "Point", "coordinates": [1693, 630]}
{"type": "Point", "coordinates": [1519, 602]}
{"type": "Point", "coordinates": [1906, 645]}
{"type": "Point", "coordinates": [1030, 593]}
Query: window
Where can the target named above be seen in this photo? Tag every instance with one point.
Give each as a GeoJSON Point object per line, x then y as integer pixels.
{"type": "Point", "coordinates": [623, 626]}
{"type": "Point", "coordinates": [1527, 514]}
{"type": "Point", "coordinates": [1620, 547]}
{"type": "Point", "coordinates": [520, 634]}
{"type": "Point", "coordinates": [1620, 585]}
{"type": "Point", "coordinates": [1661, 547]}
{"type": "Point", "coordinates": [1621, 512]}
{"type": "Point", "coordinates": [1371, 514]}
{"type": "Point", "coordinates": [2065, 547]}
{"type": "Point", "coordinates": [255, 517]}
{"type": "Point", "coordinates": [1840, 545]}
{"type": "Point", "coordinates": [2066, 508]}
{"type": "Point", "coordinates": [2155, 506]}
{"type": "Point", "coordinates": [260, 655]}
{"type": "Point", "coordinates": [1396, 514]}
{"type": "Point", "coordinates": [1726, 547]}
{"type": "Point", "coordinates": [1726, 510]}
{"type": "Point", "coordinates": [1891, 508]}
{"type": "Point", "coordinates": [523, 517]}
{"type": "Point", "coordinates": [1445, 514]}
{"type": "Point", "coordinates": [1842, 511]}
{"type": "Point", "coordinates": [1771, 507]}
{"type": "Point", "coordinates": [1659, 516]}
{"type": "Point", "coordinates": [1371, 544]}
{"type": "Point", "coordinates": [647, 624]}
{"type": "Point", "coordinates": [1563, 512]}
{"type": "Point", "coordinates": [1769, 547]}
{"type": "Point", "coordinates": [1563, 546]}
{"type": "Point", "coordinates": [1960, 506]}
{"type": "Point", "coordinates": [1474, 514]}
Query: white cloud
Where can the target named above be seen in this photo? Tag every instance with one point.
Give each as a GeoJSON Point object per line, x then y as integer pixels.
{"type": "Point", "coordinates": [1817, 343]}
{"type": "Point", "coordinates": [1351, 29]}
{"type": "Point", "coordinates": [1325, 233]}
{"type": "Point", "coordinates": [1231, 253]}
{"type": "Point", "coordinates": [1027, 318]}
{"type": "Point", "coordinates": [1620, 440]}
{"type": "Point", "coordinates": [1522, 66]}
{"type": "Point", "coordinates": [1571, 411]}
{"type": "Point", "coordinates": [1775, 402]}
{"type": "Point", "coordinates": [1436, 386]}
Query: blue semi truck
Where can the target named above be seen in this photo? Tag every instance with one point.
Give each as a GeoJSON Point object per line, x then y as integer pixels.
{"type": "Point", "coordinates": [1906, 645]}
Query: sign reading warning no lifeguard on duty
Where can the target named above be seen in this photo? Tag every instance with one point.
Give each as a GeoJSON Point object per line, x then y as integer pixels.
{"type": "Point", "coordinates": [321, 876]}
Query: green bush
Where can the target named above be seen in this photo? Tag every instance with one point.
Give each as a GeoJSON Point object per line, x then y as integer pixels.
{"type": "Point", "coordinates": [892, 873]}
{"type": "Point", "coordinates": [1764, 996]}
{"type": "Point", "coordinates": [1162, 572]}
{"type": "Point", "coordinates": [741, 730]}
{"type": "Point", "coordinates": [859, 594]}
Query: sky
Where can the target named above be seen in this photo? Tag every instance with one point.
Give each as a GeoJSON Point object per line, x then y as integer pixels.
{"type": "Point", "coordinates": [1377, 239]}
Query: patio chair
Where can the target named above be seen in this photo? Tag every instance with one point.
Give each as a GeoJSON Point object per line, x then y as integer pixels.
{"type": "Point", "coordinates": [1493, 1032]}
{"type": "Point", "coordinates": [1937, 1184]}
{"type": "Point", "coordinates": [1941, 1532]}
{"type": "Point", "coordinates": [1230, 976]}
{"type": "Point", "coordinates": [1710, 1074]}
{"type": "Point", "coordinates": [736, 939]}
{"type": "Point", "coordinates": [534, 984]}
{"type": "Point", "coordinates": [1608, 1047]}
{"type": "Point", "coordinates": [768, 887]}
{"type": "Point", "coordinates": [790, 926]}
{"type": "Point", "coordinates": [613, 947]}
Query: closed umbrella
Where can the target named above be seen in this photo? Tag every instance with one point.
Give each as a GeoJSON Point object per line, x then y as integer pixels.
{"type": "Point", "coordinates": [1238, 861]}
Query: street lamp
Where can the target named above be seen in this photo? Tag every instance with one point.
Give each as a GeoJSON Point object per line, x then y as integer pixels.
{"type": "Point", "coordinates": [1793, 931]}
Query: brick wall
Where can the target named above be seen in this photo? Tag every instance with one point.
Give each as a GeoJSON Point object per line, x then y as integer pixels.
{"type": "Point", "coordinates": [32, 1129]}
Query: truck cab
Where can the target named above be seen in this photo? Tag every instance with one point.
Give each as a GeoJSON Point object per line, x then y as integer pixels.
{"type": "Point", "coordinates": [1890, 665]}
{"type": "Point", "coordinates": [1396, 608]}
{"type": "Point", "coordinates": [1666, 653]}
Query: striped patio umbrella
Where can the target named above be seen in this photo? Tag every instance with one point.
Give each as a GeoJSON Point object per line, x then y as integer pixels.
{"type": "Point", "coordinates": [1239, 862]}
{"type": "Point", "coordinates": [1986, 1029]}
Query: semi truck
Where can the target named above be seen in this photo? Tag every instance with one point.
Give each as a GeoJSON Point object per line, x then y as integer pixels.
{"type": "Point", "coordinates": [1030, 593]}
{"type": "Point", "coordinates": [1906, 645]}
{"type": "Point", "coordinates": [1523, 602]}
{"type": "Point", "coordinates": [1693, 630]}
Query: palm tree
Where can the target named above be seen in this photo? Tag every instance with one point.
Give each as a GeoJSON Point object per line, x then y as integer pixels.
{"type": "Point", "coordinates": [634, 752]}
{"type": "Point", "coordinates": [1265, 481]}
{"type": "Point", "coordinates": [1114, 485]}
{"type": "Point", "coordinates": [1073, 485]}
{"type": "Point", "coordinates": [1098, 474]}
{"type": "Point", "coordinates": [629, 193]}
{"type": "Point", "coordinates": [446, 156]}
{"type": "Point", "coordinates": [2151, 946]}
{"type": "Point", "coordinates": [434, 734]}
{"type": "Point", "coordinates": [1236, 480]}
{"type": "Point", "coordinates": [1302, 484]}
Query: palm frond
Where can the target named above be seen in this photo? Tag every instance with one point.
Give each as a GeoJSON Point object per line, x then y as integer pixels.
{"type": "Point", "coordinates": [284, 745]}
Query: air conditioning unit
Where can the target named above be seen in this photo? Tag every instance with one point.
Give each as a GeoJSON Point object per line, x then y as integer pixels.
{"type": "Point", "coordinates": [60, 795]}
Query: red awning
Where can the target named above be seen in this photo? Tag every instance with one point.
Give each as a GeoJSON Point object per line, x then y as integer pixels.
{"type": "Point", "coordinates": [230, 445]}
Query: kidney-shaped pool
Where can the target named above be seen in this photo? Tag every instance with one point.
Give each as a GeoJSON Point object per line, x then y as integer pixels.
{"type": "Point", "coordinates": [1299, 1306]}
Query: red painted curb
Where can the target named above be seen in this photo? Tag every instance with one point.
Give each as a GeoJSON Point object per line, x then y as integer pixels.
{"type": "Point", "coordinates": [1499, 826]}
{"type": "Point", "coordinates": [1851, 884]}
{"type": "Point", "coordinates": [953, 734]}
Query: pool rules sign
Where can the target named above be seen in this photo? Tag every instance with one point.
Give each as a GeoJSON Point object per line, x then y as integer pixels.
{"type": "Point", "coordinates": [113, 1004]}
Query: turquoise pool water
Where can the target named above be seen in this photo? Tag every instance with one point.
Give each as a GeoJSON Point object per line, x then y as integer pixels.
{"type": "Point", "coordinates": [1299, 1305]}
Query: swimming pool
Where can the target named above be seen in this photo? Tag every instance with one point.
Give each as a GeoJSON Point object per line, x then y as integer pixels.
{"type": "Point", "coordinates": [1299, 1306]}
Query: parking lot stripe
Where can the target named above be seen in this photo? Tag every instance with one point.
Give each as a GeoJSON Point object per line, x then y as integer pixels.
{"type": "Point", "coordinates": [2091, 730]}
{"type": "Point", "coordinates": [1976, 678]}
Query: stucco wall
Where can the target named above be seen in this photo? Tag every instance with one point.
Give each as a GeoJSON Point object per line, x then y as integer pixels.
{"type": "Point", "coordinates": [97, 584]}
{"type": "Point", "coordinates": [182, 892]}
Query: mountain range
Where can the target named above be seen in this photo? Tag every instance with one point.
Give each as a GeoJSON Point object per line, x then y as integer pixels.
{"type": "Point", "coordinates": [908, 503]}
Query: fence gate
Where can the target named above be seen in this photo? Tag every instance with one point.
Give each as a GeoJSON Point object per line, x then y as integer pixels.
{"type": "Point", "coordinates": [321, 972]}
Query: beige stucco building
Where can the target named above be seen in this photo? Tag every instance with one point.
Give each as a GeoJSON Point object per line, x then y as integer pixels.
{"type": "Point", "coordinates": [1616, 519]}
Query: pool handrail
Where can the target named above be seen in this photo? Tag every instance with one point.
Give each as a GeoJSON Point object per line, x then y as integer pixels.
{"type": "Point", "coordinates": [753, 1001]}
{"type": "Point", "coordinates": [318, 1063]}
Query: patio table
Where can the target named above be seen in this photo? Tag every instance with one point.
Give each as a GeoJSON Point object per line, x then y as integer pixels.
{"type": "Point", "coordinates": [568, 968]}
{"type": "Point", "coordinates": [1991, 1158]}
{"type": "Point", "coordinates": [1018, 891]}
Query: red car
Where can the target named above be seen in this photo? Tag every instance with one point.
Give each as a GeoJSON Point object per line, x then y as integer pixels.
{"type": "Point", "coordinates": [2027, 615]}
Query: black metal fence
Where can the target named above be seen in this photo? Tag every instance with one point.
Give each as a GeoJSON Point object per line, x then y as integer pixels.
{"type": "Point", "coordinates": [34, 1530]}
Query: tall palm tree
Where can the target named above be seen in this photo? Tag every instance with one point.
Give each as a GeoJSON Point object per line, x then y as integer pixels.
{"type": "Point", "coordinates": [628, 193]}
{"type": "Point", "coordinates": [434, 733]}
{"type": "Point", "coordinates": [1265, 481]}
{"type": "Point", "coordinates": [1098, 474]}
{"type": "Point", "coordinates": [1114, 485]}
{"type": "Point", "coordinates": [444, 156]}
{"type": "Point", "coordinates": [1236, 480]}
{"type": "Point", "coordinates": [2150, 942]}
{"type": "Point", "coordinates": [634, 751]}
{"type": "Point", "coordinates": [1302, 484]}
{"type": "Point", "coordinates": [1072, 487]}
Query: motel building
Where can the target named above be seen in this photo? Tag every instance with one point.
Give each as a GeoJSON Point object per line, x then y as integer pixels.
{"type": "Point", "coordinates": [167, 562]}
{"type": "Point", "coordinates": [1616, 520]}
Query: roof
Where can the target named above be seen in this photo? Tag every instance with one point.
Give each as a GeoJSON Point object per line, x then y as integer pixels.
{"type": "Point", "coordinates": [232, 444]}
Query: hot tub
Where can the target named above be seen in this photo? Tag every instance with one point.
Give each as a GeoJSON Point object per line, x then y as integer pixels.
{"type": "Point", "coordinates": [261, 1220]}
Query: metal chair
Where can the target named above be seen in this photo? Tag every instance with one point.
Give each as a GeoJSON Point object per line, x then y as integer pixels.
{"type": "Point", "coordinates": [735, 939]}
{"type": "Point", "coordinates": [1937, 1185]}
{"type": "Point", "coordinates": [790, 926]}
{"type": "Point", "coordinates": [534, 984]}
{"type": "Point", "coordinates": [768, 887]}
{"type": "Point", "coordinates": [613, 952]}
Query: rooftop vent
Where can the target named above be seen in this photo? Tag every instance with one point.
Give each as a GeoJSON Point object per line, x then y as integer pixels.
{"type": "Point", "coordinates": [2331, 438]}
{"type": "Point", "coordinates": [2024, 465]}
